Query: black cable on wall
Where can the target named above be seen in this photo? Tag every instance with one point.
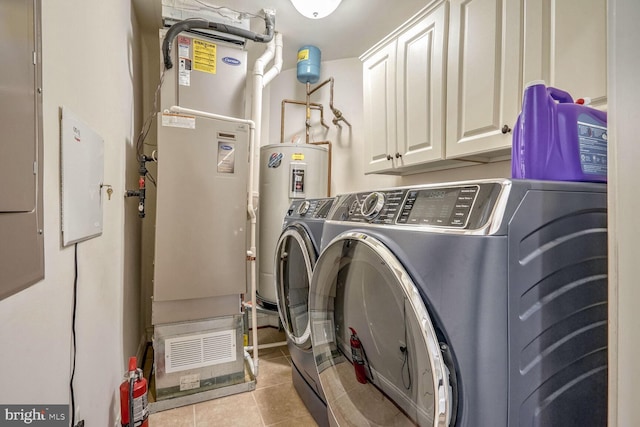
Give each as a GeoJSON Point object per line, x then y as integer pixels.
{"type": "Point", "coordinates": [73, 335]}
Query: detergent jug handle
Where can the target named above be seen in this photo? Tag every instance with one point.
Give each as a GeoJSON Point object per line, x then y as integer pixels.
{"type": "Point", "coordinates": [560, 95]}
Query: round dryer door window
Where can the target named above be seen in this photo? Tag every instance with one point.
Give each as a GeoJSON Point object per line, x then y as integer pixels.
{"type": "Point", "coordinates": [374, 344]}
{"type": "Point", "coordinates": [295, 259]}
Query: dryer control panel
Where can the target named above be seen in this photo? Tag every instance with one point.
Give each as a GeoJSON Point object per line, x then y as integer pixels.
{"type": "Point", "coordinates": [446, 207]}
{"type": "Point", "coordinates": [461, 206]}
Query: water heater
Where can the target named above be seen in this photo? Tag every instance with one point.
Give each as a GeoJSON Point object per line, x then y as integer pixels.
{"type": "Point", "coordinates": [287, 172]}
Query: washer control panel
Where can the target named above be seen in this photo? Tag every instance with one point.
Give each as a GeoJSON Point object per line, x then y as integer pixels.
{"type": "Point", "coordinates": [310, 208]}
{"type": "Point", "coordinates": [378, 207]}
{"type": "Point", "coordinates": [464, 206]}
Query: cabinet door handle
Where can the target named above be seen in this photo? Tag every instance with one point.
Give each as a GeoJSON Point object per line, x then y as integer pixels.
{"type": "Point", "coordinates": [398, 155]}
{"type": "Point", "coordinates": [506, 129]}
{"type": "Point", "coordinates": [389, 157]}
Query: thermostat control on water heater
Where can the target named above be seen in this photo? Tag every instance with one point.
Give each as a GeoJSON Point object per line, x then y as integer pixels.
{"type": "Point", "coordinates": [296, 180]}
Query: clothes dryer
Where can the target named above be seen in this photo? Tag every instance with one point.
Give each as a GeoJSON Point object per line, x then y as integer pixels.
{"type": "Point", "coordinates": [296, 253]}
{"type": "Point", "coordinates": [479, 303]}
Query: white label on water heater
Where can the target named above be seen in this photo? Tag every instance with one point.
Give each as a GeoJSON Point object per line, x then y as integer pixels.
{"type": "Point", "coordinates": [189, 382]}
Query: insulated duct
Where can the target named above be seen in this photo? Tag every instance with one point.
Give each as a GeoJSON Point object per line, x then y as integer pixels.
{"type": "Point", "coordinates": [188, 24]}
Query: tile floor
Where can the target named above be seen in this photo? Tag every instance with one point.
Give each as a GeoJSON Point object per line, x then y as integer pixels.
{"type": "Point", "coordinates": [274, 402]}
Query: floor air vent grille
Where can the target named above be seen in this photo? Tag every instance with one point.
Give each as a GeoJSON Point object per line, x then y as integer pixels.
{"type": "Point", "coordinates": [197, 351]}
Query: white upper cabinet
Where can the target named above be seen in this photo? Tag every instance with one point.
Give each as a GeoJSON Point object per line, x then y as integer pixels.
{"type": "Point", "coordinates": [404, 94]}
{"type": "Point", "coordinates": [566, 46]}
{"type": "Point", "coordinates": [445, 88]}
{"type": "Point", "coordinates": [380, 108]}
{"type": "Point", "coordinates": [421, 102]}
{"type": "Point", "coordinates": [484, 76]}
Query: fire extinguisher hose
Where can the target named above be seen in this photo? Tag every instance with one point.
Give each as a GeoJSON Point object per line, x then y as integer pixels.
{"type": "Point", "coordinates": [366, 359]}
{"type": "Point", "coordinates": [132, 381]}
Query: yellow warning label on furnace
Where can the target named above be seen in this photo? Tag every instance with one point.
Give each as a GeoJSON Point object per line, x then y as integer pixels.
{"type": "Point", "coordinates": [204, 56]}
{"type": "Point", "coordinates": [297, 156]}
{"type": "Point", "coordinates": [303, 55]}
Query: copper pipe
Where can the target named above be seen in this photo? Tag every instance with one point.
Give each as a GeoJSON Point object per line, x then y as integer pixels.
{"type": "Point", "coordinates": [330, 79]}
{"type": "Point", "coordinates": [307, 121]}
{"type": "Point", "coordinates": [337, 113]}
{"type": "Point", "coordinates": [312, 106]}
{"type": "Point", "coordinates": [328, 164]}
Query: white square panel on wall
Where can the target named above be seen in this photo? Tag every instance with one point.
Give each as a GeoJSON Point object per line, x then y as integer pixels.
{"type": "Point", "coordinates": [82, 172]}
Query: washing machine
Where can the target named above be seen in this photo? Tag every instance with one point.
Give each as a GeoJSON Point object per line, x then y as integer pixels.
{"type": "Point", "coordinates": [296, 253]}
{"type": "Point", "coordinates": [476, 304]}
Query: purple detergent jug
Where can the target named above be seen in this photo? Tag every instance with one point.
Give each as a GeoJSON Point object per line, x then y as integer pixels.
{"type": "Point", "coordinates": [555, 139]}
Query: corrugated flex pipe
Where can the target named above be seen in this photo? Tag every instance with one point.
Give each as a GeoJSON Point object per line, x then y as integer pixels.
{"type": "Point", "coordinates": [188, 24]}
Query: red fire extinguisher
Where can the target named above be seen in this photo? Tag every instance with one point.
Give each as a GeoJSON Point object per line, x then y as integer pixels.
{"type": "Point", "coordinates": [357, 357]}
{"type": "Point", "coordinates": [133, 398]}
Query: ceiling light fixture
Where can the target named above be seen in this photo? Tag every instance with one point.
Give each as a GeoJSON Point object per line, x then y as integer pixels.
{"type": "Point", "coordinates": [316, 9]}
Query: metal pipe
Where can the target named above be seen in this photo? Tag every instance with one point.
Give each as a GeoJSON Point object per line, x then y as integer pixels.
{"type": "Point", "coordinates": [328, 164]}
{"type": "Point", "coordinates": [313, 106]}
{"type": "Point", "coordinates": [337, 113]}
{"type": "Point", "coordinates": [307, 122]}
{"type": "Point", "coordinates": [329, 80]}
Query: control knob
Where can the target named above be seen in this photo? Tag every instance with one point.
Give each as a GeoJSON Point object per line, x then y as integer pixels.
{"type": "Point", "coordinates": [372, 205]}
{"type": "Point", "coordinates": [304, 207]}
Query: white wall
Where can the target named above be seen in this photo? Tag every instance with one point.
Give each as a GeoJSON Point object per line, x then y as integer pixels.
{"type": "Point", "coordinates": [348, 144]}
{"type": "Point", "coordinates": [624, 205]}
{"type": "Point", "coordinates": [90, 62]}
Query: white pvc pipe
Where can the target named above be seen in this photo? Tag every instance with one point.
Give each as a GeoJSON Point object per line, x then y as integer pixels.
{"type": "Point", "coordinates": [274, 48]}
{"type": "Point", "coordinates": [247, 357]}
{"type": "Point", "coordinates": [277, 62]}
{"type": "Point", "coordinates": [269, 345]}
{"type": "Point", "coordinates": [189, 111]}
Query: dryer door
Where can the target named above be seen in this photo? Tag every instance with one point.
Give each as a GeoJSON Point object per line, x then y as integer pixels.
{"type": "Point", "coordinates": [359, 284]}
{"type": "Point", "coordinates": [294, 262]}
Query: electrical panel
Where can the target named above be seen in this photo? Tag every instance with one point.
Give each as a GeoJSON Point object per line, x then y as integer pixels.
{"type": "Point", "coordinates": [21, 216]}
{"type": "Point", "coordinates": [82, 170]}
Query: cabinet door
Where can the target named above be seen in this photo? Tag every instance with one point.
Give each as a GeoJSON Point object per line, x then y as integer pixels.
{"type": "Point", "coordinates": [421, 99]}
{"type": "Point", "coordinates": [379, 94]}
{"type": "Point", "coordinates": [566, 46]}
{"type": "Point", "coordinates": [484, 75]}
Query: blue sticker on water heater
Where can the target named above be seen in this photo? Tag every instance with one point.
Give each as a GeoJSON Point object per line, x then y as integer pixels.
{"type": "Point", "coordinates": [275, 160]}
